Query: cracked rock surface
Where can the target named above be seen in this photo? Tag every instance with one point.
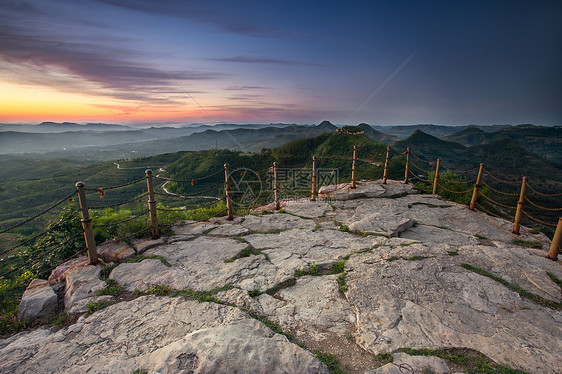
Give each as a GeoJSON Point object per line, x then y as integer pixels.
{"type": "Point", "coordinates": [380, 270]}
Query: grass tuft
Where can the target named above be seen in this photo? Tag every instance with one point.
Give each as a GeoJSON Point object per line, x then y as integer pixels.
{"type": "Point", "coordinates": [330, 360]}
{"type": "Point", "coordinates": [470, 361]}
{"type": "Point", "coordinates": [527, 243]}
{"type": "Point", "coordinates": [95, 306]}
{"type": "Point", "coordinates": [113, 288]}
{"type": "Point", "coordinates": [384, 358]}
{"type": "Point", "coordinates": [343, 287]}
{"type": "Point", "coordinates": [537, 299]}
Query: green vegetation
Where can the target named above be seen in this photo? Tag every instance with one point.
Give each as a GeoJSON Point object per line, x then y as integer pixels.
{"type": "Point", "coordinates": [338, 266]}
{"type": "Point", "coordinates": [537, 299]}
{"type": "Point", "coordinates": [95, 306]}
{"type": "Point", "coordinates": [554, 279]}
{"type": "Point", "coordinates": [471, 361]}
{"type": "Point", "coordinates": [189, 294]}
{"type": "Point", "coordinates": [113, 288]}
{"type": "Point", "coordinates": [478, 236]}
{"type": "Point", "coordinates": [285, 284]}
{"type": "Point", "coordinates": [527, 243]}
{"type": "Point", "coordinates": [312, 270]}
{"type": "Point", "coordinates": [330, 360]}
{"type": "Point", "coordinates": [384, 358]}
{"type": "Point", "coordinates": [342, 284]}
{"type": "Point", "coordinates": [452, 253]}
{"type": "Point", "coordinates": [10, 296]}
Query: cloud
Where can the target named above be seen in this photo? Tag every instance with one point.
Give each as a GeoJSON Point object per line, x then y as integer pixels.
{"type": "Point", "coordinates": [202, 12]}
{"type": "Point", "coordinates": [262, 60]}
{"type": "Point", "coordinates": [87, 67]}
{"type": "Point", "coordinates": [246, 88]}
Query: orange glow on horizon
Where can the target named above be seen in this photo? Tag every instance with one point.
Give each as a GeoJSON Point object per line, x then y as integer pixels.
{"type": "Point", "coordinates": [37, 103]}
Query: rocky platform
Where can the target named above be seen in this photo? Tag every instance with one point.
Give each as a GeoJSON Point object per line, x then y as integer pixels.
{"type": "Point", "coordinates": [378, 270]}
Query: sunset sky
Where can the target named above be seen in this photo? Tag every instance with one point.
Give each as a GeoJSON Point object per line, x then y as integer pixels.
{"type": "Point", "coordinates": [380, 62]}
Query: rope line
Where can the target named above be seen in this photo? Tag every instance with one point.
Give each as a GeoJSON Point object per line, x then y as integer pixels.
{"type": "Point", "coordinates": [537, 220]}
{"type": "Point", "coordinates": [415, 176]}
{"type": "Point", "coordinates": [29, 240]}
{"type": "Point", "coordinates": [500, 180]}
{"type": "Point", "coordinates": [527, 232]}
{"type": "Point", "coordinates": [190, 196]}
{"type": "Point", "coordinates": [495, 202]}
{"type": "Point", "coordinates": [457, 192]}
{"type": "Point", "coordinates": [126, 220]}
{"type": "Point", "coordinates": [40, 213]}
{"type": "Point", "coordinates": [421, 159]}
{"type": "Point", "coordinates": [460, 171]}
{"type": "Point", "coordinates": [542, 207]}
{"type": "Point", "coordinates": [114, 187]}
{"type": "Point", "coordinates": [492, 214]}
{"type": "Point", "coordinates": [118, 204]}
{"type": "Point", "coordinates": [188, 180]}
{"type": "Point", "coordinates": [498, 191]}
{"type": "Point", "coordinates": [420, 168]}
{"type": "Point", "coordinates": [543, 194]}
{"type": "Point", "coordinates": [454, 181]}
{"type": "Point", "coordinates": [183, 209]}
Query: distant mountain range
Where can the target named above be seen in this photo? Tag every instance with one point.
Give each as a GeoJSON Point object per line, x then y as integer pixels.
{"type": "Point", "coordinates": [100, 141]}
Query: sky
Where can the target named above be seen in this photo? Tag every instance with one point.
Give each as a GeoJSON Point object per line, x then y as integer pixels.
{"type": "Point", "coordinates": [379, 62]}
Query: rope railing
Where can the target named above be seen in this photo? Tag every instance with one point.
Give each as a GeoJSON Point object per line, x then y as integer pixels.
{"type": "Point", "coordinates": [38, 214]}
{"type": "Point", "coordinates": [542, 207]}
{"type": "Point", "coordinates": [495, 202]}
{"type": "Point", "coordinates": [185, 209]}
{"type": "Point", "coordinates": [452, 191]}
{"type": "Point", "coordinates": [192, 180]}
{"type": "Point", "coordinates": [119, 204]}
{"type": "Point", "coordinates": [500, 192]}
{"type": "Point", "coordinates": [498, 179]}
{"type": "Point", "coordinates": [300, 182]}
{"type": "Point", "coordinates": [543, 194]}
{"type": "Point", "coordinates": [190, 196]}
{"type": "Point", "coordinates": [123, 221]}
{"type": "Point", "coordinates": [115, 187]}
{"type": "Point", "coordinates": [460, 171]}
{"type": "Point", "coordinates": [537, 220]}
{"type": "Point", "coordinates": [32, 239]}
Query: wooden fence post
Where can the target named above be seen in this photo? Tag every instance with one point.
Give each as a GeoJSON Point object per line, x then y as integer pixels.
{"type": "Point", "coordinates": [152, 205]}
{"type": "Point", "coordinates": [313, 198]}
{"type": "Point", "coordinates": [556, 241]}
{"type": "Point", "coordinates": [276, 186]}
{"type": "Point", "coordinates": [353, 175]}
{"type": "Point", "coordinates": [228, 193]}
{"type": "Point", "coordinates": [476, 188]}
{"type": "Point", "coordinates": [407, 165]}
{"type": "Point", "coordinates": [436, 179]}
{"type": "Point", "coordinates": [87, 225]}
{"type": "Point", "coordinates": [520, 203]}
{"type": "Point", "coordinates": [385, 173]}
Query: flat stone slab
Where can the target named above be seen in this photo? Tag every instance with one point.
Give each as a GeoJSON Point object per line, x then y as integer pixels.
{"type": "Point", "coordinates": [310, 209]}
{"type": "Point", "coordinates": [434, 303]}
{"type": "Point", "coordinates": [161, 335]}
{"type": "Point", "coordinates": [229, 230]}
{"type": "Point", "coordinates": [142, 245]}
{"type": "Point", "coordinates": [313, 303]}
{"type": "Point", "coordinates": [276, 221]}
{"type": "Point", "coordinates": [59, 273]}
{"type": "Point", "coordinates": [81, 283]}
{"type": "Point", "coordinates": [114, 252]}
{"type": "Point", "coordinates": [38, 300]}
